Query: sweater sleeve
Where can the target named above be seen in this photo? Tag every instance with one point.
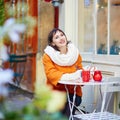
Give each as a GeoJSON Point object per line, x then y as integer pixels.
{"type": "Point", "coordinates": [53, 75]}
{"type": "Point", "coordinates": [71, 76]}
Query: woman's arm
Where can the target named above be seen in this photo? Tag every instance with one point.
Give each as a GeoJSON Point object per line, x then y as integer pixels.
{"type": "Point", "coordinates": [53, 75]}
{"type": "Point", "coordinates": [71, 76]}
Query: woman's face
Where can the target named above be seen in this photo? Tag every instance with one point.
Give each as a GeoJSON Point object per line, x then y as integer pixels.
{"type": "Point", "coordinates": [59, 40]}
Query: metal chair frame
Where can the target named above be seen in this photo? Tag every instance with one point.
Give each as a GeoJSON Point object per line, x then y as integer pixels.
{"type": "Point", "coordinates": [17, 63]}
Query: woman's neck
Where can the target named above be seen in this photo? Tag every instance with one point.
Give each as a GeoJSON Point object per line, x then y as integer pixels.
{"type": "Point", "coordinates": [64, 50]}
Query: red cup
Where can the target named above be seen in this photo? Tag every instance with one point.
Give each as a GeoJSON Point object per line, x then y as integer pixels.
{"type": "Point", "coordinates": [97, 76]}
{"type": "Point", "coordinates": [85, 75]}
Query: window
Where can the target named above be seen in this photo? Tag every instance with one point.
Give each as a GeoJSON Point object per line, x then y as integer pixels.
{"type": "Point", "coordinates": [99, 27]}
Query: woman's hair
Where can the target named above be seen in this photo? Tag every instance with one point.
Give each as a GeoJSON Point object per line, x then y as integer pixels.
{"type": "Point", "coordinates": [50, 37]}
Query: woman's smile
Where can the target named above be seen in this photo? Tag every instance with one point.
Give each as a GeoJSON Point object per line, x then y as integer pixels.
{"type": "Point", "coordinates": [62, 41]}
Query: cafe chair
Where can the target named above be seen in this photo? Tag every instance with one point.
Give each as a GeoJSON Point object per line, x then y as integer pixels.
{"type": "Point", "coordinates": [17, 64]}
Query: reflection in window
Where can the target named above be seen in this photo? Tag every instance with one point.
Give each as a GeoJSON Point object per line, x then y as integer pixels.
{"type": "Point", "coordinates": [108, 16]}
{"type": "Point", "coordinates": [86, 3]}
{"type": "Point", "coordinates": [102, 49]}
{"type": "Point", "coordinates": [115, 28]}
{"type": "Point", "coordinates": [99, 30]}
{"type": "Point", "coordinates": [86, 28]}
{"type": "Point", "coordinates": [115, 48]}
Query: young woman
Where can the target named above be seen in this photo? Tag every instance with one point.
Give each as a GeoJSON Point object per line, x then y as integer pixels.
{"type": "Point", "coordinates": [62, 61]}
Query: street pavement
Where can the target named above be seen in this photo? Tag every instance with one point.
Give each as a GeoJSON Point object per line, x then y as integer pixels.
{"type": "Point", "coordinates": [18, 98]}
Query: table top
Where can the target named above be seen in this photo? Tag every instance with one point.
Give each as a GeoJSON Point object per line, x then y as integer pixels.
{"type": "Point", "coordinates": [96, 116]}
{"type": "Point", "coordinates": [105, 81]}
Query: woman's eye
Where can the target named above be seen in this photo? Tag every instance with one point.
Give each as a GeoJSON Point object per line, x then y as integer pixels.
{"type": "Point", "coordinates": [62, 34]}
{"type": "Point", "coordinates": [56, 37]}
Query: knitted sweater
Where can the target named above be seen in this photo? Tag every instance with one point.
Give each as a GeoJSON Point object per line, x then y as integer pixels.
{"type": "Point", "coordinates": [55, 68]}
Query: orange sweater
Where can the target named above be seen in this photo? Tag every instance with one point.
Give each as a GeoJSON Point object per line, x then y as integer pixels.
{"type": "Point", "coordinates": [54, 73]}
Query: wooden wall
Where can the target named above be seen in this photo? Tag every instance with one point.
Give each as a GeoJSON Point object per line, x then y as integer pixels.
{"type": "Point", "coordinates": [45, 23]}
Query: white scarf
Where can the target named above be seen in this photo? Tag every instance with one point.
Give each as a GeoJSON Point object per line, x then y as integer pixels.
{"type": "Point", "coordinates": [67, 59]}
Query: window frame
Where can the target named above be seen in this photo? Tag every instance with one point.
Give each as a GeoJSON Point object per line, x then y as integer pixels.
{"type": "Point", "coordinates": [106, 59]}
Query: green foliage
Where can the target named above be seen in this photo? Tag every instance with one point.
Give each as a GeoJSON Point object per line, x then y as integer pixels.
{"type": "Point", "coordinates": [42, 97]}
{"type": "Point", "coordinates": [11, 115]}
{"type": "Point", "coordinates": [2, 12]}
{"type": "Point", "coordinates": [31, 112]}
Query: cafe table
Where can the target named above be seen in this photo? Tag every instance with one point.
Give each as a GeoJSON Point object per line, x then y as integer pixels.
{"type": "Point", "coordinates": [105, 82]}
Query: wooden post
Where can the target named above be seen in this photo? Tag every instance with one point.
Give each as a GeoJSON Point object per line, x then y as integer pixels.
{"type": "Point", "coordinates": [56, 17]}
{"type": "Point", "coordinates": [33, 40]}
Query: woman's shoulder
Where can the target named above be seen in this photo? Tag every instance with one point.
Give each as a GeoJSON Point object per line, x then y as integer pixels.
{"type": "Point", "coordinates": [45, 57]}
